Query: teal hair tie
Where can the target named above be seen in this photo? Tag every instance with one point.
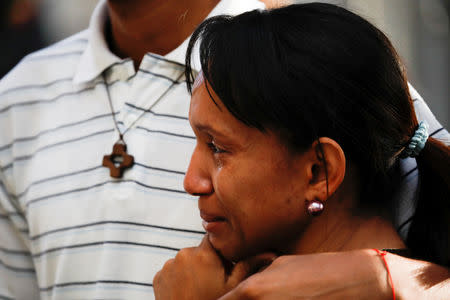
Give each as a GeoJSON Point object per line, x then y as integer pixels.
{"type": "Point", "coordinates": [417, 142]}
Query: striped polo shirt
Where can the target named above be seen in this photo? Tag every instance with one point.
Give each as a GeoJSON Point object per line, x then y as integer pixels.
{"type": "Point", "coordinates": [67, 229]}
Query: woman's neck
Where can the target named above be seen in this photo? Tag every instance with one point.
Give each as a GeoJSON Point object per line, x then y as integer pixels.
{"type": "Point", "coordinates": [340, 227]}
{"type": "Point", "coordinates": [348, 233]}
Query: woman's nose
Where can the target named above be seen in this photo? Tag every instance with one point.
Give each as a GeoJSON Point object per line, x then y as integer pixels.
{"type": "Point", "coordinates": [197, 180]}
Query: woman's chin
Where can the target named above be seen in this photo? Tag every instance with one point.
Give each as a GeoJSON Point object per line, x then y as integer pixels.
{"type": "Point", "coordinates": [225, 248]}
{"type": "Point", "coordinates": [232, 253]}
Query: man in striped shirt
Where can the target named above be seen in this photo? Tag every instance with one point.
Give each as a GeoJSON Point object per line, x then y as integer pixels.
{"type": "Point", "coordinates": [68, 230]}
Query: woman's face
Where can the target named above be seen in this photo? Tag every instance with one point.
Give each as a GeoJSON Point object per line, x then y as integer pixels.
{"type": "Point", "coordinates": [250, 187]}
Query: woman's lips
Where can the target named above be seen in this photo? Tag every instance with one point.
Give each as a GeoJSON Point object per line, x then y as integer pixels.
{"type": "Point", "coordinates": [212, 223]}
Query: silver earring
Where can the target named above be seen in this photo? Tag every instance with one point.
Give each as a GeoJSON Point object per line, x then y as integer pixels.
{"type": "Point", "coordinates": [315, 207]}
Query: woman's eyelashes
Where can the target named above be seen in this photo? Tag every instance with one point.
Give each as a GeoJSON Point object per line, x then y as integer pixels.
{"type": "Point", "coordinates": [214, 148]}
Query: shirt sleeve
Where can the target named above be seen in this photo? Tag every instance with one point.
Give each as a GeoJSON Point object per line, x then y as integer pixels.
{"type": "Point", "coordinates": [17, 274]}
{"type": "Point", "coordinates": [407, 193]}
{"type": "Point", "coordinates": [423, 112]}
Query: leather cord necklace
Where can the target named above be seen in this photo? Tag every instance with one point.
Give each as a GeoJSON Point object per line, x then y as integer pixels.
{"type": "Point", "coordinates": [119, 159]}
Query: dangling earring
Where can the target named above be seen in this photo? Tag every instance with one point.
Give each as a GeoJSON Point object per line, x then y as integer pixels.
{"type": "Point", "coordinates": [315, 207]}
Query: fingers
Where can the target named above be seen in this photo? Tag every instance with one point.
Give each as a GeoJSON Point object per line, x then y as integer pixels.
{"type": "Point", "coordinates": [260, 262]}
{"type": "Point", "coordinates": [205, 243]}
{"type": "Point", "coordinates": [167, 266]}
{"type": "Point", "coordinates": [206, 250]}
{"type": "Point", "coordinates": [232, 295]}
{"type": "Point", "coordinates": [246, 290]}
{"type": "Point", "coordinates": [206, 246]}
{"type": "Point", "coordinates": [248, 267]}
{"type": "Point", "coordinates": [160, 280]}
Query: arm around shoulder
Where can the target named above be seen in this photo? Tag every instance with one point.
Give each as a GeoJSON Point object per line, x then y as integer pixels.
{"type": "Point", "coordinates": [416, 279]}
{"type": "Point", "coordinates": [359, 274]}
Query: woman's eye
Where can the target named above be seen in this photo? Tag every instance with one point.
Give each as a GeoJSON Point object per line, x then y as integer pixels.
{"type": "Point", "coordinates": [214, 148]}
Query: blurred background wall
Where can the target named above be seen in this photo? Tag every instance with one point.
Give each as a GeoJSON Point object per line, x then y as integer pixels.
{"type": "Point", "coordinates": [419, 29]}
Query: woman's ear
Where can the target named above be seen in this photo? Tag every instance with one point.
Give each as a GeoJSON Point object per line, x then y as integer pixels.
{"type": "Point", "coordinates": [326, 169]}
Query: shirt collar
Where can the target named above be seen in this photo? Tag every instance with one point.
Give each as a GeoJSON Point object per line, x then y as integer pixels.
{"type": "Point", "coordinates": [97, 57]}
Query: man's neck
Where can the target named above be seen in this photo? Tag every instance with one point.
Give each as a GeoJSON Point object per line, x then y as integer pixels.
{"type": "Point", "coordinates": [157, 26]}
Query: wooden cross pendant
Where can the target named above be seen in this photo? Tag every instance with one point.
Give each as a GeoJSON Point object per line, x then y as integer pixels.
{"type": "Point", "coordinates": [118, 160]}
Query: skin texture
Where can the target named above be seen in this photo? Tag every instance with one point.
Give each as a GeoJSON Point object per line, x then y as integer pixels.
{"type": "Point", "coordinates": [200, 273]}
{"type": "Point", "coordinates": [253, 191]}
{"type": "Point", "coordinates": [209, 270]}
{"type": "Point", "coordinates": [288, 277]}
{"type": "Point", "coordinates": [246, 204]}
{"type": "Point", "coordinates": [233, 199]}
{"type": "Point", "coordinates": [361, 275]}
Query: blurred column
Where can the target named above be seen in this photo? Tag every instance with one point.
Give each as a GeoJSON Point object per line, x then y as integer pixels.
{"type": "Point", "coordinates": [19, 32]}
{"type": "Point", "coordinates": [432, 43]}
{"type": "Point", "coordinates": [62, 18]}
{"type": "Point", "coordinates": [419, 30]}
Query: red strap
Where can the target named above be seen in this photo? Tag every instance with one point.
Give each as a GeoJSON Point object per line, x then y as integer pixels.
{"type": "Point", "coordinates": [382, 254]}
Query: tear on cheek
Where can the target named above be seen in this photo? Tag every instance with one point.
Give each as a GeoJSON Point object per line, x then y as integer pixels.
{"type": "Point", "coordinates": [218, 163]}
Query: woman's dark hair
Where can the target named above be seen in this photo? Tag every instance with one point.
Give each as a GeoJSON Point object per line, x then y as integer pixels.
{"type": "Point", "coordinates": [318, 70]}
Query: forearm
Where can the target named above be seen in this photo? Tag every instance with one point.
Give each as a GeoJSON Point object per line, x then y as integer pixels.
{"type": "Point", "coordinates": [415, 279]}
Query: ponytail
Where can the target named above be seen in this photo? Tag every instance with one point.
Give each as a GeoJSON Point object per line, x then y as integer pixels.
{"type": "Point", "coordinates": [428, 237]}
